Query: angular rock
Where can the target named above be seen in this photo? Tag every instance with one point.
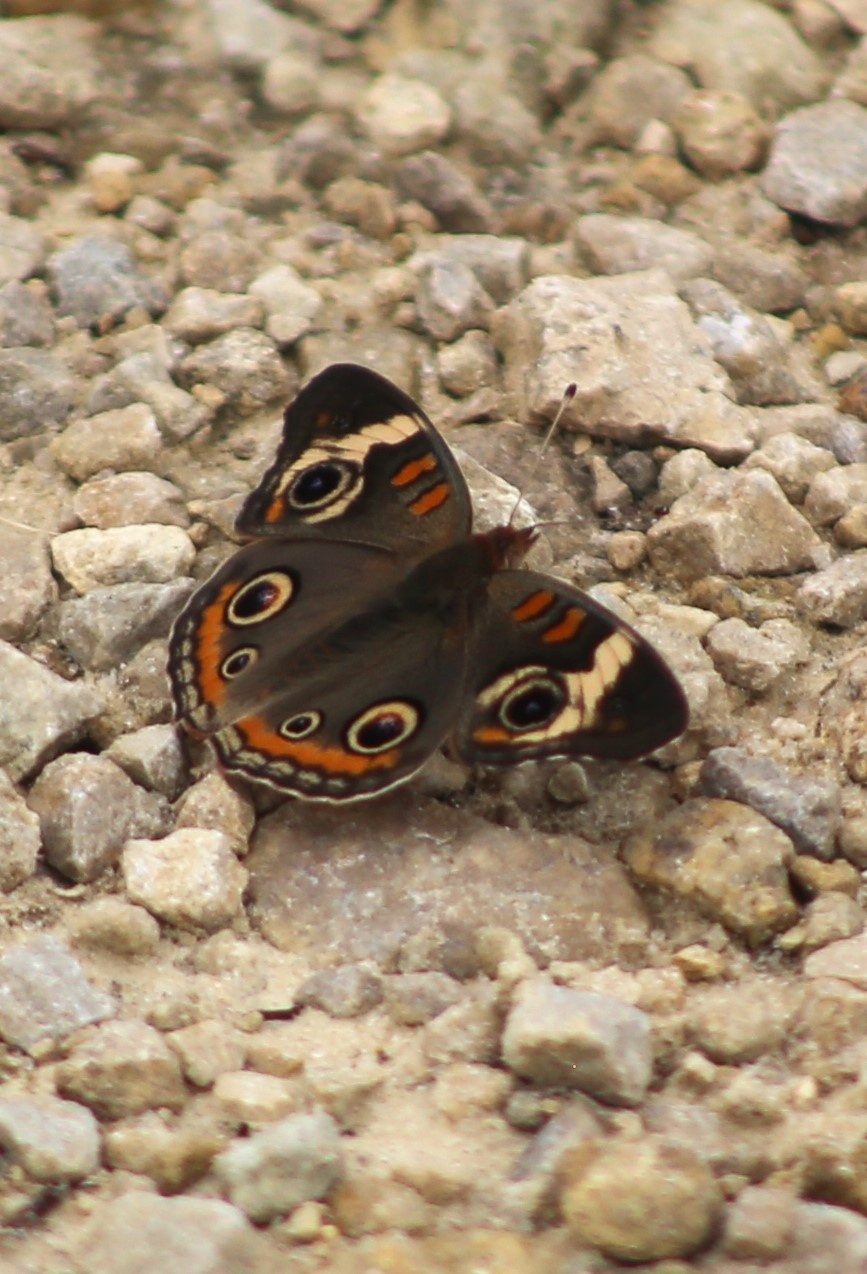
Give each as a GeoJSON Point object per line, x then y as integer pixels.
{"type": "Point", "coordinates": [559, 1036]}
{"type": "Point", "coordinates": [733, 523]}
{"type": "Point", "coordinates": [44, 715]}
{"type": "Point", "coordinates": [270, 1173]}
{"type": "Point", "coordinates": [445, 190]}
{"type": "Point", "coordinates": [53, 1141]}
{"type": "Point", "coordinates": [645, 371]}
{"type": "Point", "coordinates": [141, 1232]}
{"type": "Point", "coordinates": [50, 73]}
{"type": "Point", "coordinates": [347, 991]}
{"type": "Point", "coordinates": [87, 809]}
{"type": "Point", "coordinates": [44, 994]}
{"type": "Point", "coordinates": [727, 859]}
{"type": "Point", "coordinates": [104, 629]}
{"type": "Point", "coordinates": [127, 438]}
{"type": "Point", "coordinates": [190, 878]}
{"type": "Point", "coordinates": [755, 658]}
{"type": "Point", "coordinates": [97, 279]}
{"type": "Point", "coordinates": [837, 595]}
{"type": "Point", "coordinates": [27, 587]}
{"type": "Point", "coordinates": [614, 245]}
{"type": "Point", "coordinates": [146, 554]}
{"type": "Point", "coordinates": [807, 810]}
{"type": "Point", "coordinates": [130, 499]}
{"type": "Point", "coordinates": [121, 1069]}
{"type": "Point", "coordinates": [245, 366]}
{"type": "Point", "coordinates": [403, 115]}
{"type": "Point", "coordinates": [818, 163]}
{"type": "Point", "coordinates": [20, 839]}
{"type": "Point", "coordinates": [36, 389]}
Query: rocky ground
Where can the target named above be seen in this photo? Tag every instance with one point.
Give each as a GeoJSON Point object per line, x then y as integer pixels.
{"type": "Point", "coordinates": [550, 1020]}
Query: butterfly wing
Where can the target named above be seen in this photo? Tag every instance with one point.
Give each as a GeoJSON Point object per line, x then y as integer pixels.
{"type": "Point", "coordinates": [322, 668]}
{"type": "Point", "coordinates": [557, 674]}
{"type": "Point", "coordinates": [360, 460]}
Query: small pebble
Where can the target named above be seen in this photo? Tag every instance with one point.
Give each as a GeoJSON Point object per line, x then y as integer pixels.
{"type": "Point", "coordinates": [191, 878]}
{"type": "Point", "coordinates": [281, 1167]}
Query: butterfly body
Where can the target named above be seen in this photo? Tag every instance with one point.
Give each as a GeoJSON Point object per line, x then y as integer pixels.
{"type": "Point", "coordinates": [366, 624]}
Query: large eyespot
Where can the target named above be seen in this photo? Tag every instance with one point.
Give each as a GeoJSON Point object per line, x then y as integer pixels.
{"type": "Point", "coordinates": [382, 727]}
{"type": "Point", "coordinates": [299, 726]}
{"type": "Point", "coordinates": [532, 704]}
{"type": "Point", "coordinates": [233, 665]}
{"type": "Point", "coordinates": [261, 599]}
{"type": "Point", "coordinates": [321, 484]}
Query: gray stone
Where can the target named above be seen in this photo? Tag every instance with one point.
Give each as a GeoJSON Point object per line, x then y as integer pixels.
{"type": "Point", "coordinates": [20, 840]}
{"type": "Point", "coordinates": [245, 366]}
{"type": "Point", "coordinates": [22, 249]}
{"type": "Point", "coordinates": [50, 73]}
{"type": "Point", "coordinates": [87, 809]}
{"type": "Point", "coordinates": [53, 1141]}
{"type": "Point", "coordinates": [124, 439]}
{"type": "Point", "coordinates": [248, 35]}
{"type": "Point", "coordinates": [495, 124]}
{"type": "Point", "coordinates": [272, 1172]}
{"type": "Point", "coordinates": [26, 316]}
{"type": "Point", "coordinates": [27, 586]}
{"type": "Point", "coordinates": [191, 878]}
{"type": "Point", "coordinates": [771, 282]}
{"type": "Point", "coordinates": [831, 495]}
{"type": "Point", "coordinates": [200, 314]}
{"type": "Point", "coordinates": [291, 305]}
{"type": "Point", "coordinates": [614, 245]}
{"type": "Point", "coordinates": [104, 629]}
{"type": "Point", "coordinates": [121, 1069]}
{"type": "Point", "coordinates": [36, 389]}
{"type": "Point", "coordinates": [837, 595]}
{"type": "Point", "coordinates": [142, 1232]}
{"type": "Point", "coordinates": [346, 991]}
{"type": "Point", "coordinates": [642, 368]}
{"type": "Point", "coordinates": [415, 998]}
{"type": "Point", "coordinates": [130, 499]}
{"type": "Point", "coordinates": [795, 462]}
{"type": "Point", "coordinates": [818, 163]}
{"type": "Point", "coordinates": [153, 758]}
{"type": "Point", "coordinates": [450, 300]}
{"type": "Point", "coordinates": [743, 47]}
{"type": "Point", "coordinates": [150, 553]}
{"type": "Point", "coordinates": [44, 995]}
{"type": "Point", "coordinates": [733, 523]}
{"type": "Point", "coordinates": [445, 190]}
{"type": "Point", "coordinates": [45, 714]}
{"type": "Point", "coordinates": [631, 91]}
{"type": "Point", "coordinates": [560, 1036]}
{"type": "Point", "coordinates": [756, 658]}
{"type": "Point", "coordinates": [97, 279]}
{"type": "Point", "coordinates": [142, 379]}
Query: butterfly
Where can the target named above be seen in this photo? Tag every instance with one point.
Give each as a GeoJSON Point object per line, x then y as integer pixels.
{"type": "Point", "coordinates": [365, 624]}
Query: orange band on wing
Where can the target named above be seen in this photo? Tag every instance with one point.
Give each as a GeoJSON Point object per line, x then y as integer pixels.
{"type": "Point", "coordinates": [567, 628]}
{"type": "Point", "coordinates": [492, 734]}
{"type": "Point", "coordinates": [536, 604]}
{"type": "Point", "coordinates": [413, 470]}
{"type": "Point", "coordinates": [275, 509]}
{"type": "Point", "coordinates": [259, 735]}
{"type": "Point", "coordinates": [211, 685]}
{"type": "Point", "coordinates": [430, 500]}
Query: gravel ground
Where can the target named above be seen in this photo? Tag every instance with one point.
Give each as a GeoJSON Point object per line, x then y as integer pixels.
{"type": "Point", "coordinates": [558, 1019]}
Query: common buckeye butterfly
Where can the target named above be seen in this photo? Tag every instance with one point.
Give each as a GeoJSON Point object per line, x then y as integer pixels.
{"type": "Point", "coordinates": [366, 624]}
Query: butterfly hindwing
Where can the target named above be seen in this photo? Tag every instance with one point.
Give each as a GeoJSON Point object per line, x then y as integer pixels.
{"type": "Point", "coordinates": [556, 674]}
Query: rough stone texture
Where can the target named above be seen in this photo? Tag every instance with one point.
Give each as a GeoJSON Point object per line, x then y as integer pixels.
{"type": "Point", "coordinates": [614, 245]}
{"type": "Point", "coordinates": [356, 883]}
{"type": "Point", "coordinates": [271, 1173]}
{"type": "Point", "coordinates": [244, 366]}
{"type": "Point", "coordinates": [817, 163]}
{"type": "Point", "coordinates": [727, 859]}
{"type": "Point", "coordinates": [140, 1232]}
{"type": "Point", "coordinates": [347, 991]}
{"type": "Point", "coordinates": [110, 924]}
{"type": "Point", "coordinates": [843, 715]}
{"type": "Point", "coordinates": [644, 369]}
{"type": "Point", "coordinates": [44, 994]}
{"type": "Point", "coordinates": [50, 72]}
{"type": "Point", "coordinates": [755, 658]}
{"type": "Point", "coordinates": [837, 595]}
{"type": "Point", "coordinates": [87, 809]}
{"type": "Point", "coordinates": [104, 629]}
{"type": "Point", "coordinates": [127, 438]}
{"type": "Point", "coordinates": [733, 523]}
{"type": "Point", "coordinates": [190, 878]}
{"type": "Point", "coordinates": [97, 280]}
{"type": "Point", "coordinates": [642, 1201]}
{"type": "Point", "coordinates": [555, 1035]}
{"type": "Point", "coordinates": [130, 499]}
{"type": "Point", "coordinates": [150, 554]}
{"type": "Point", "coordinates": [807, 810]}
{"type": "Point", "coordinates": [44, 715]}
{"type": "Point", "coordinates": [36, 388]}
{"type": "Point", "coordinates": [53, 1141]}
{"type": "Point", "coordinates": [20, 840]}
{"type": "Point", "coordinates": [120, 1069]}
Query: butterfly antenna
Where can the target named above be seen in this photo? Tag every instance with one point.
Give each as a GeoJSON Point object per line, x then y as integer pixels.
{"type": "Point", "coordinates": [568, 394]}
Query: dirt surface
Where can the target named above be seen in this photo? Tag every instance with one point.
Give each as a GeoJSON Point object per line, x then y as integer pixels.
{"type": "Point", "coordinates": [556, 1018]}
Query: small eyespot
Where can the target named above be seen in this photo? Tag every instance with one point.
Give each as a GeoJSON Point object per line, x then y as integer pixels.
{"type": "Point", "coordinates": [532, 704]}
{"type": "Point", "coordinates": [321, 484]}
{"type": "Point", "coordinates": [261, 599]}
{"type": "Point", "coordinates": [382, 727]}
{"type": "Point", "coordinates": [233, 665]}
{"type": "Point", "coordinates": [299, 726]}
